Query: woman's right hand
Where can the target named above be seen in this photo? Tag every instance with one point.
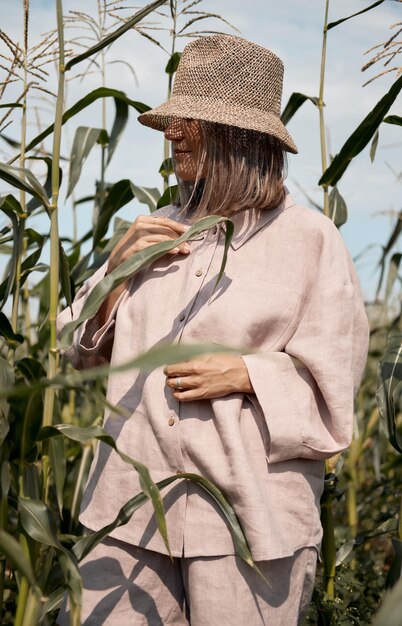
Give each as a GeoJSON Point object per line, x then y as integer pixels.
{"type": "Point", "coordinates": [145, 231]}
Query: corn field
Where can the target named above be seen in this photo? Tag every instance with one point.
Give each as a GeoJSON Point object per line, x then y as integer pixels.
{"type": "Point", "coordinates": [51, 415]}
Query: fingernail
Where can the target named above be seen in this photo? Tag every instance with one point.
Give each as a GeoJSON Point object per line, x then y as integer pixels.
{"type": "Point", "coordinates": [186, 247]}
{"type": "Point", "coordinates": [176, 250]}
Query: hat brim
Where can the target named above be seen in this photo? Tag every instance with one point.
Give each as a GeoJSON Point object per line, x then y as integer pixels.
{"type": "Point", "coordinates": [220, 112]}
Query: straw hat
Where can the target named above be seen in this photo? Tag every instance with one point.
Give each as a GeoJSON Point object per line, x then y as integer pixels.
{"type": "Point", "coordinates": [229, 80]}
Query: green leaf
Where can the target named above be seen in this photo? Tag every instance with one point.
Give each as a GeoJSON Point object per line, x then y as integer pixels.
{"type": "Point", "coordinates": [130, 267]}
{"type": "Point", "coordinates": [146, 195]}
{"type": "Point", "coordinates": [13, 551]}
{"type": "Point", "coordinates": [57, 455]}
{"type": "Point", "coordinates": [12, 208]}
{"type": "Point", "coordinates": [173, 63]}
{"type": "Point", "coordinates": [6, 381]}
{"type": "Point", "coordinates": [65, 279]}
{"type": "Point", "coordinates": [84, 435]}
{"type": "Point", "coordinates": [13, 339]}
{"type": "Point", "coordinates": [101, 92]}
{"type": "Point", "coordinates": [31, 369]}
{"type": "Point", "coordinates": [395, 234]}
{"type": "Point", "coordinates": [156, 357]}
{"type": "Point", "coordinates": [347, 550]}
{"type": "Point", "coordinates": [389, 392]}
{"type": "Point", "coordinates": [117, 196]}
{"type": "Point", "coordinates": [374, 145]}
{"type": "Point", "coordinates": [10, 105]}
{"type": "Point", "coordinates": [395, 570]}
{"type": "Point", "coordinates": [38, 522]}
{"type": "Point", "coordinates": [166, 168]}
{"type": "Point", "coordinates": [359, 139]}
{"type": "Point", "coordinates": [294, 103]}
{"type": "Point", "coordinates": [344, 19]}
{"type": "Point", "coordinates": [34, 203]}
{"type": "Point", "coordinates": [393, 119]}
{"type": "Point", "coordinates": [394, 264]}
{"type": "Point", "coordinates": [84, 140]}
{"type": "Point", "coordinates": [337, 208]}
{"type": "Point", "coordinates": [119, 124]}
{"type": "Point", "coordinates": [86, 544]}
{"type": "Point", "coordinates": [24, 179]}
{"type": "Point", "coordinates": [106, 41]}
{"type": "Point", "coordinates": [31, 425]}
{"type": "Point", "coordinates": [168, 196]}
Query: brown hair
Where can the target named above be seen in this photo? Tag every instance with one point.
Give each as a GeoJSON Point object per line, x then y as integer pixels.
{"type": "Point", "coordinates": [242, 169]}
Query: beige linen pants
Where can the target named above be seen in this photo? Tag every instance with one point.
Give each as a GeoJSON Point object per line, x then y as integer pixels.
{"type": "Point", "coordinates": [124, 585]}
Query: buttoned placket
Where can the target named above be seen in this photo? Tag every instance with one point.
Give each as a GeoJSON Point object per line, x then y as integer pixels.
{"type": "Point", "coordinates": [199, 260]}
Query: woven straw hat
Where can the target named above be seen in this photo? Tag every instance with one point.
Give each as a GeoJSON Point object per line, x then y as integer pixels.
{"type": "Point", "coordinates": [229, 80]}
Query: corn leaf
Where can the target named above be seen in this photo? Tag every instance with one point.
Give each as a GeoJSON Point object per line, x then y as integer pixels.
{"type": "Point", "coordinates": [65, 278]}
{"type": "Point", "coordinates": [393, 119]}
{"type": "Point", "coordinates": [106, 41]}
{"type": "Point", "coordinates": [345, 19]}
{"type": "Point", "coordinates": [146, 195]}
{"type": "Point", "coordinates": [119, 124]}
{"type": "Point", "coordinates": [117, 196]}
{"type": "Point", "coordinates": [34, 203]}
{"type": "Point", "coordinates": [24, 179]}
{"type": "Point", "coordinates": [84, 140]}
{"type": "Point", "coordinates": [359, 139]}
{"type": "Point", "coordinates": [393, 269]}
{"type": "Point", "coordinates": [374, 145]}
{"type": "Point", "coordinates": [13, 339]}
{"type": "Point", "coordinates": [389, 392]}
{"type": "Point", "coordinates": [395, 570]}
{"type": "Point", "coordinates": [13, 551]}
{"type": "Point", "coordinates": [294, 103]}
{"type": "Point", "coordinates": [168, 196]}
{"type": "Point", "coordinates": [101, 92]}
{"type": "Point", "coordinates": [84, 435]}
{"type": "Point", "coordinates": [12, 208]}
{"type": "Point", "coordinates": [337, 208]}
{"type": "Point", "coordinates": [133, 265]}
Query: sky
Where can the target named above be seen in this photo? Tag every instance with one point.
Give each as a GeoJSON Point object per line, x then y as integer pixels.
{"type": "Point", "coordinates": [293, 30]}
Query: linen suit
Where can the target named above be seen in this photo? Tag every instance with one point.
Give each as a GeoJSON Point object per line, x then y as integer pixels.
{"type": "Point", "coordinates": [290, 301]}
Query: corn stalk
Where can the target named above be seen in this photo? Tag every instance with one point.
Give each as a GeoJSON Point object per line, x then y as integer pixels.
{"type": "Point", "coordinates": [50, 394]}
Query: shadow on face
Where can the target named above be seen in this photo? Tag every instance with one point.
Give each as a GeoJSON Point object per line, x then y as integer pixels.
{"type": "Point", "coordinates": [187, 147]}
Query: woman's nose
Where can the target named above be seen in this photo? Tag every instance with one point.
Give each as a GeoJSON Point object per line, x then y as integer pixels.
{"type": "Point", "coordinates": [174, 130]}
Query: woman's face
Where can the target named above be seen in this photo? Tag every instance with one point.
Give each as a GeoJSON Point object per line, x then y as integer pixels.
{"type": "Point", "coordinates": [187, 146]}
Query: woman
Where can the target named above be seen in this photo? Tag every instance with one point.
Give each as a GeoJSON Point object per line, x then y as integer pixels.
{"type": "Point", "coordinates": [258, 424]}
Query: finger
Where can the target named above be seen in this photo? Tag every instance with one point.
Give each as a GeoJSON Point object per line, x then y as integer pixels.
{"type": "Point", "coordinates": [182, 382]}
{"type": "Point", "coordinates": [190, 395]}
{"type": "Point", "coordinates": [167, 222]}
{"type": "Point", "coordinates": [179, 369]}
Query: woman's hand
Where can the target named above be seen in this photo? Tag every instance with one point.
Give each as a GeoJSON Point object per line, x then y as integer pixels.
{"type": "Point", "coordinates": [145, 231]}
{"type": "Point", "coordinates": [208, 376]}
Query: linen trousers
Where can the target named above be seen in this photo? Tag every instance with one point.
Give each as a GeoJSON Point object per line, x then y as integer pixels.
{"type": "Point", "coordinates": [124, 585]}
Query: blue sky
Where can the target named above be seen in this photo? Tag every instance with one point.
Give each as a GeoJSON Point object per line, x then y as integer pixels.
{"type": "Point", "coordinates": [292, 29]}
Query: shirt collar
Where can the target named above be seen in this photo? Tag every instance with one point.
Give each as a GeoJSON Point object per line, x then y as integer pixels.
{"type": "Point", "coordinates": [248, 222]}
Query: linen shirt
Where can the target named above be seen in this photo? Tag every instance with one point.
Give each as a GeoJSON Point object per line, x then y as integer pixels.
{"type": "Point", "coordinates": [289, 299]}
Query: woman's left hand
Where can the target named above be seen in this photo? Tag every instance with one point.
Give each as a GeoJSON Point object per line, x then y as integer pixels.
{"type": "Point", "coordinates": [208, 376]}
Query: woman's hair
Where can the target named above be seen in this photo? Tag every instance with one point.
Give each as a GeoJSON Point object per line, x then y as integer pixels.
{"type": "Point", "coordinates": [241, 169]}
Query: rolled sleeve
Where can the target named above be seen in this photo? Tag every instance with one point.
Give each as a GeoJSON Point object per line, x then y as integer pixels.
{"type": "Point", "coordinates": [92, 344]}
{"type": "Point", "coordinates": [306, 391]}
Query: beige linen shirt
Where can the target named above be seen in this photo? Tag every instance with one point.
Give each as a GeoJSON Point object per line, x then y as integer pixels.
{"type": "Point", "coordinates": [290, 300]}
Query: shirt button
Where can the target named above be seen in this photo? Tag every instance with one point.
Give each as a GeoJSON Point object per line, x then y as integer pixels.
{"type": "Point", "coordinates": [199, 272]}
{"type": "Point", "coordinates": [182, 317]}
{"type": "Point", "coordinates": [179, 472]}
{"type": "Point", "coordinates": [171, 421]}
